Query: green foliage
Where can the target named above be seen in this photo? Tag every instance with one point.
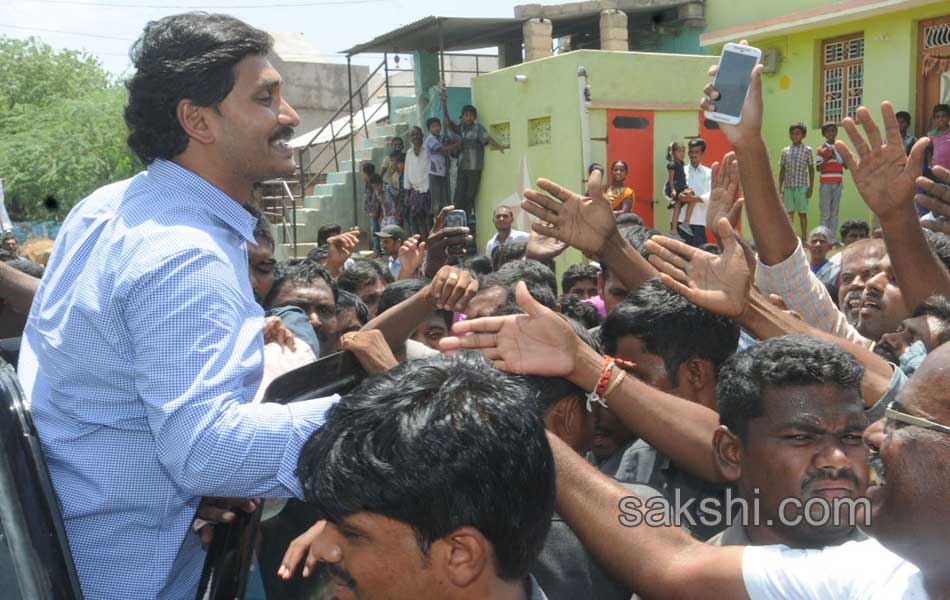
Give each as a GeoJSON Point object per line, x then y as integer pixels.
{"type": "Point", "coordinates": [61, 128]}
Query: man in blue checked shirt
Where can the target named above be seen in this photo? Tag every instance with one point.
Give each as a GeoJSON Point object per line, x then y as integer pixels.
{"type": "Point", "coordinates": [143, 347]}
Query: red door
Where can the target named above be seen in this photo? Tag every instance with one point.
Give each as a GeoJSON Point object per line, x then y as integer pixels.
{"type": "Point", "coordinates": [716, 147]}
{"type": "Point", "coordinates": [630, 138]}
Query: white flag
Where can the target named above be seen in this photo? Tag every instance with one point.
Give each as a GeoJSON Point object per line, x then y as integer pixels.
{"type": "Point", "coordinates": [5, 223]}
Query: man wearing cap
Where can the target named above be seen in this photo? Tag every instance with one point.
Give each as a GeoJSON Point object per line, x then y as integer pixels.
{"type": "Point", "coordinates": [391, 238]}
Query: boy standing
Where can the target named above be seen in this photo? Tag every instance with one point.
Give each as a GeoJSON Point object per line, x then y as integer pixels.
{"type": "Point", "coordinates": [940, 137]}
{"type": "Point", "coordinates": [831, 169]}
{"type": "Point", "coordinates": [796, 177]}
{"type": "Point", "coordinates": [439, 150]}
{"type": "Point", "coordinates": [907, 138]}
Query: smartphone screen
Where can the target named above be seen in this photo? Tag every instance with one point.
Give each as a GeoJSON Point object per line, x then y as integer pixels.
{"type": "Point", "coordinates": [732, 82]}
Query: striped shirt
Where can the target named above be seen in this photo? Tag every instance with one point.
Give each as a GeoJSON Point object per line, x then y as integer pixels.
{"type": "Point", "coordinates": [140, 358]}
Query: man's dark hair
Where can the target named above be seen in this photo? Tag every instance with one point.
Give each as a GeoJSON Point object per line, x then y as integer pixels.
{"type": "Point", "coordinates": [828, 126]}
{"type": "Point", "coordinates": [937, 307]}
{"type": "Point", "coordinates": [636, 236]}
{"type": "Point", "coordinates": [578, 272]}
{"type": "Point", "coordinates": [800, 126]}
{"type": "Point", "coordinates": [432, 120]}
{"type": "Point", "coordinates": [902, 114]}
{"type": "Point", "coordinates": [468, 108]}
{"type": "Point", "coordinates": [571, 305]}
{"type": "Point", "coordinates": [508, 279]}
{"type": "Point", "coordinates": [531, 271]}
{"type": "Point", "coordinates": [940, 245]}
{"type": "Point", "coordinates": [7, 236]}
{"type": "Point", "coordinates": [368, 168]}
{"type": "Point", "coordinates": [782, 361]}
{"type": "Point", "coordinates": [398, 292]}
{"type": "Point", "coordinates": [262, 232]}
{"type": "Point", "coordinates": [671, 327]}
{"type": "Point", "coordinates": [186, 56]}
{"type": "Point", "coordinates": [326, 232]}
{"type": "Point", "coordinates": [477, 265]}
{"type": "Point", "coordinates": [349, 301]}
{"type": "Point", "coordinates": [304, 271]}
{"type": "Point", "coordinates": [506, 253]}
{"type": "Point", "coordinates": [438, 444]}
{"type": "Point", "coordinates": [628, 219]}
{"type": "Point", "coordinates": [362, 272]}
{"type": "Point", "coordinates": [594, 167]}
{"type": "Point", "coordinates": [855, 225]}
{"type": "Point", "coordinates": [697, 143]}
{"type": "Point", "coordinates": [941, 108]}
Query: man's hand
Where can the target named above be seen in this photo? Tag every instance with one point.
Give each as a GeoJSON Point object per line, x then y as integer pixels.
{"type": "Point", "coordinates": [543, 248]}
{"type": "Point", "coordinates": [274, 331]}
{"type": "Point", "coordinates": [722, 197]}
{"type": "Point", "coordinates": [885, 177]}
{"type": "Point", "coordinates": [536, 343]}
{"type": "Point", "coordinates": [213, 511]}
{"type": "Point", "coordinates": [314, 545]}
{"type": "Point", "coordinates": [411, 254]}
{"type": "Point", "coordinates": [339, 249]}
{"type": "Point", "coordinates": [371, 350]}
{"type": "Point", "coordinates": [584, 222]}
{"type": "Point", "coordinates": [936, 198]}
{"type": "Point", "coordinates": [452, 289]}
{"type": "Point", "coordinates": [444, 242]}
{"type": "Point", "coordinates": [720, 284]}
{"type": "Point", "coordinates": [750, 127]}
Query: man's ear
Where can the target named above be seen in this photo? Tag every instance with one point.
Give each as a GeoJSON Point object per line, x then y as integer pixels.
{"type": "Point", "coordinates": [727, 452]}
{"type": "Point", "coordinates": [464, 555]}
{"type": "Point", "coordinates": [193, 119]}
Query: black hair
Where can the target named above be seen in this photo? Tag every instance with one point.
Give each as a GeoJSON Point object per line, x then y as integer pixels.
{"type": "Point", "coordinates": [503, 207]}
{"type": "Point", "coordinates": [262, 232]}
{"type": "Point", "coordinates": [828, 126]}
{"type": "Point", "coordinates": [781, 361]}
{"type": "Point", "coordinates": [636, 236]}
{"type": "Point", "coordinates": [398, 292]}
{"type": "Point", "coordinates": [627, 219]}
{"type": "Point", "coordinates": [438, 444]}
{"type": "Point", "coordinates": [348, 301]}
{"type": "Point", "coordinates": [432, 120]}
{"type": "Point", "coordinates": [697, 143]}
{"type": "Point", "coordinates": [368, 168]}
{"type": "Point", "coordinates": [671, 327]}
{"type": "Point", "coordinates": [303, 271]}
{"type": "Point", "coordinates": [471, 109]}
{"type": "Point", "coordinates": [855, 225]}
{"type": "Point", "coordinates": [185, 56]}
{"type": "Point", "coordinates": [328, 231]}
{"type": "Point", "coordinates": [538, 287]}
{"type": "Point", "coordinates": [577, 272]}
{"type": "Point", "coordinates": [937, 307]}
{"type": "Point", "coordinates": [477, 265]}
{"type": "Point", "coordinates": [622, 162]}
{"type": "Point", "coordinates": [800, 126]}
{"type": "Point", "coordinates": [362, 272]}
{"type": "Point", "coordinates": [902, 114]}
{"type": "Point", "coordinates": [375, 178]}
{"type": "Point", "coordinates": [395, 138]}
{"type": "Point", "coordinates": [508, 252]}
{"type": "Point", "coordinates": [571, 305]}
{"type": "Point", "coordinates": [531, 271]}
{"type": "Point", "coordinates": [673, 147]}
{"type": "Point", "coordinates": [595, 167]}
{"type": "Point", "coordinates": [940, 108]}
{"type": "Point", "coordinates": [8, 236]}
{"type": "Point", "coordinates": [940, 245]}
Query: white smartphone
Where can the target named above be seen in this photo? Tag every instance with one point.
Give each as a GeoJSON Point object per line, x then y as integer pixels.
{"type": "Point", "coordinates": [732, 82]}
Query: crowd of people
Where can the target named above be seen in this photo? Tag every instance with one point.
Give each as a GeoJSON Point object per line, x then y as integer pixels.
{"type": "Point", "coordinates": [673, 418]}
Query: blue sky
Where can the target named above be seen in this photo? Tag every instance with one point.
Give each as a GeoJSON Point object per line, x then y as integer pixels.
{"type": "Point", "coordinates": [106, 28]}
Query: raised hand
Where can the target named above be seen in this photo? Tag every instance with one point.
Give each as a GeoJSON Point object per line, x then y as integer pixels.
{"type": "Point", "coordinates": [538, 342]}
{"type": "Point", "coordinates": [885, 177]}
{"type": "Point", "coordinates": [371, 350]}
{"type": "Point", "coordinates": [725, 189]}
{"type": "Point", "coordinates": [444, 241]}
{"type": "Point", "coordinates": [720, 284]}
{"type": "Point", "coordinates": [411, 253]}
{"type": "Point", "coordinates": [452, 289]}
{"type": "Point", "coordinates": [339, 249]}
{"type": "Point", "coordinates": [750, 127]}
{"type": "Point", "coordinates": [936, 198]}
{"type": "Point", "coordinates": [311, 546]}
{"type": "Point", "coordinates": [543, 248]}
{"type": "Point", "coordinates": [584, 222]}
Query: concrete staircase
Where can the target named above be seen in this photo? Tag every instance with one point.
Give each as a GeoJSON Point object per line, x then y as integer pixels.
{"type": "Point", "coordinates": [332, 201]}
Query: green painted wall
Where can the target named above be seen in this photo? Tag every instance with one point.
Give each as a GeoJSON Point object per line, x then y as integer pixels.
{"type": "Point", "coordinates": [551, 89]}
{"type": "Point", "coordinates": [686, 41]}
{"type": "Point", "coordinates": [793, 93]}
{"type": "Point", "coordinates": [722, 14]}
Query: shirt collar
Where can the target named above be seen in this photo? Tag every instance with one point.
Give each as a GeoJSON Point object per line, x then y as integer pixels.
{"type": "Point", "coordinates": [189, 185]}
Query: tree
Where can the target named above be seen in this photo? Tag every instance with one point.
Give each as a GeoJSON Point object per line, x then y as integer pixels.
{"type": "Point", "coordinates": [62, 134]}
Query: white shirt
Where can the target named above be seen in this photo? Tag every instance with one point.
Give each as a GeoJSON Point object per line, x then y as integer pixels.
{"type": "Point", "coordinates": [514, 236]}
{"type": "Point", "coordinates": [855, 570]}
{"type": "Point", "coordinates": [700, 181]}
{"type": "Point", "coordinates": [416, 175]}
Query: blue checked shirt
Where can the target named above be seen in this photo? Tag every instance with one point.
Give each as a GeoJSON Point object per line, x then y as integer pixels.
{"type": "Point", "coordinates": [142, 351]}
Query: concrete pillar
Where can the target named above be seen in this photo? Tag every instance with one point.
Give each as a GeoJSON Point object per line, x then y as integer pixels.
{"type": "Point", "coordinates": [537, 39]}
{"type": "Point", "coordinates": [613, 30]}
{"type": "Point", "coordinates": [425, 71]}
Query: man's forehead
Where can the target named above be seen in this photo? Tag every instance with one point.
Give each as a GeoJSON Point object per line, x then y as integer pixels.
{"type": "Point", "coordinates": [864, 250]}
{"type": "Point", "coordinates": [927, 393]}
{"type": "Point", "coordinates": [816, 404]}
{"type": "Point", "coordinates": [255, 71]}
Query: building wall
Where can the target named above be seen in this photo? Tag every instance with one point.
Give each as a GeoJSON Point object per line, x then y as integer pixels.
{"type": "Point", "coordinates": [617, 79]}
{"type": "Point", "coordinates": [316, 90]}
{"type": "Point", "coordinates": [721, 14]}
{"type": "Point", "coordinates": [793, 93]}
{"type": "Point", "coordinates": [685, 41]}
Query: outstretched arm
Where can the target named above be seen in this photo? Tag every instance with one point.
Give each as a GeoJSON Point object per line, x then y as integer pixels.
{"type": "Point", "coordinates": [887, 180]}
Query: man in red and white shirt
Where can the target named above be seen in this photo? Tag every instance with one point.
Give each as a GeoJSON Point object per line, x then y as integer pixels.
{"type": "Point", "coordinates": [831, 172]}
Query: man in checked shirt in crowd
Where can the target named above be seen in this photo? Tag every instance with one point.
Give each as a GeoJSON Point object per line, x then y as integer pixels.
{"type": "Point", "coordinates": [143, 347]}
